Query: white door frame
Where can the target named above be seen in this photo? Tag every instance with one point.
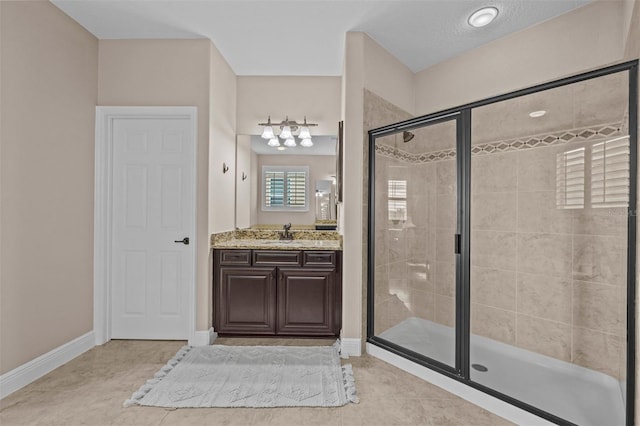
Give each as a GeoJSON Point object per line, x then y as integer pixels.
{"type": "Point", "coordinates": [105, 115]}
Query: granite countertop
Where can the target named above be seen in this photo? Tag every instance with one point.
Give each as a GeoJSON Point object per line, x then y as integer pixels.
{"type": "Point", "coordinates": [262, 239]}
{"type": "Point", "coordinates": [261, 244]}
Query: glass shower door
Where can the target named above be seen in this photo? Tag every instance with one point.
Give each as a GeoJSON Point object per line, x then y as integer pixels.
{"type": "Point", "coordinates": [549, 208]}
{"type": "Point", "coordinates": [414, 228]}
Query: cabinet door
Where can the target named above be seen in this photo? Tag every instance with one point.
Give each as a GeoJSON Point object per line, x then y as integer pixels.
{"type": "Point", "coordinates": [246, 300]}
{"type": "Point", "coordinates": [306, 301]}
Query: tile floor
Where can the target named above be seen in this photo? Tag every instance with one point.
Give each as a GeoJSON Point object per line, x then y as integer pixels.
{"type": "Point", "coordinates": [90, 390]}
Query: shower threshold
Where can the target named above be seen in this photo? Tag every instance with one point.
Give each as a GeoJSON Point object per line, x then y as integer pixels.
{"type": "Point", "coordinates": [574, 393]}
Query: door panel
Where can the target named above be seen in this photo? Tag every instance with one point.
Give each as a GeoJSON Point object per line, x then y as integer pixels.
{"type": "Point", "coordinates": [170, 272]}
{"type": "Point", "coordinates": [152, 206]}
{"type": "Point", "coordinates": [247, 300]}
{"type": "Point", "coordinates": [306, 301]}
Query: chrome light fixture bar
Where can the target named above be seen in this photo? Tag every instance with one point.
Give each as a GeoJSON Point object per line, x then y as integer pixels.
{"type": "Point", "coordinates": [287, 128]}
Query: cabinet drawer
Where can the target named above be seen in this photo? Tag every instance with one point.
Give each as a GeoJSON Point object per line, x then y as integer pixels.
{"type": "Point", "coordinates": [276, 258]}
{"type": "Point", "coordinates": [235, 257]}
{"type": "Point", "coordinates": [319, 258]}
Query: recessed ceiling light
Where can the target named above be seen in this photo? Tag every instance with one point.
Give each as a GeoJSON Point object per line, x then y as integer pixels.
{"type": "Point", "coordinates": [536, 114]}
{"type": "Point", "coordinates": [483, 17]}
{"type": "Point", "coordinates": [281, 148]}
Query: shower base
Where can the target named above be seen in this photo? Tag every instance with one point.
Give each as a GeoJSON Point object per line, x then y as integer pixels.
{"type": "Point", "coordinates": [577, 394]}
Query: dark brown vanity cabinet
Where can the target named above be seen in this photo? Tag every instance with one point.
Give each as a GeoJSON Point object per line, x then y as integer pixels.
{"type": "Point", "coordinates": [269, 292]}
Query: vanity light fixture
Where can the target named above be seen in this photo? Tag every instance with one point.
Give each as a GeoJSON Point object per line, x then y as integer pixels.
{"type": "Point", "coordinates": [286, 133]}
{"type": "Point", "coordinates": [304, 133]}
{"type": "Point", "coordinates": [483, 17]}
{"type": "Point", "coordinates": [536, 114]}
{"type": "Point", "coordinates": [287, 129]}
{"type": "Point", "coordinates": [273, 141]}
{"type": "Point", "coordinates": [267, 133]}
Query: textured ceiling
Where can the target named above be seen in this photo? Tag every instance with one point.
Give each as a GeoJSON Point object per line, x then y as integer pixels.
{"type": "Point", "coordinates": [306, 37]}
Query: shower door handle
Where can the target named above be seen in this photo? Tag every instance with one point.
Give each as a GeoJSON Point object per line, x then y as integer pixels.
{"type": "Point", "coordinates": [456, 243]}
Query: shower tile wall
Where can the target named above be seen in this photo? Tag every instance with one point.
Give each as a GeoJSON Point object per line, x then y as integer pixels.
{"type": "Point", "coordinates": [415, 261]}
{"type": "Point", "coordinates": [548, 279]}
{"type": "Point", "coordinates": [545, 279]}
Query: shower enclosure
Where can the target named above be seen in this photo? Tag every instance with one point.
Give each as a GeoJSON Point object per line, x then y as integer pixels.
{"type": "Point", "coordinates": [501, 247]}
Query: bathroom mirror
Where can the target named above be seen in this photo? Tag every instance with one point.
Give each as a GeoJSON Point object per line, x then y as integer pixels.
{"type": "Point", "coordinates": [252, 153]}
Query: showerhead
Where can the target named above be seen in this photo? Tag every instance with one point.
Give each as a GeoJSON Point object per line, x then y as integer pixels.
{"type": "Point", "coordinates": [407, 136]}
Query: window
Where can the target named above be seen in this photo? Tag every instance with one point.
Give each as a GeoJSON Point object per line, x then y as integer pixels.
{"type": "Point", "coordinates": [610, 173]}
{"type": "Point", "coordinates": [595, 176]}
{"type": "Point", "coordinates": [397, 200]}
{"type": "Point", "coordinates": [570, 179]}
{"type": "Point", "coordinates": [285, 188]}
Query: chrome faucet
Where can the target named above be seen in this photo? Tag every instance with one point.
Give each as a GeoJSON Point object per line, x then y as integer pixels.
{"type": "Point", "coordinates": [286, 235]}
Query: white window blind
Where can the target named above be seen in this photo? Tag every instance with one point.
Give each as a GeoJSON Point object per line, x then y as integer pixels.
{"type": "Point", "coordinates": [610, 173]}
{"type": "Point", "coordinates": [570, 179]}
{"type": "Point", "coordinates": [285, 188]}
{"type": "Point", "coordinates": [397, 200]}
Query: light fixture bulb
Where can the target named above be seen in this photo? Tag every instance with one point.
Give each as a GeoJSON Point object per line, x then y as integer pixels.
{"type": "Point", "coordinates": [304, 133]}
{"type": "Point", "coordinates": [286, 133]}
{"type": "Point", "coordinates": [483, 17]}
{"type": "Point", "coordinates": [273, 142]}
{"type": "Point", "coordinates": [306, 142]}
{"type": "Point", "coordinates": [267, 133]}
{"type": "Point", "coordinates": [281, 148]}
{"type": "Point", "coordinates": [536, 114]}
{"type": "Point", "coordinates": [291, 142]}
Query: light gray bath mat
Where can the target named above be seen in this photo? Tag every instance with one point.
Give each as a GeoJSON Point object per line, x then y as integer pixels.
{"type": "Point", "coordinates": [250, 376]}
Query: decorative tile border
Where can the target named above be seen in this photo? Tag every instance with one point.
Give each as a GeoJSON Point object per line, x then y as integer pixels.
{"type": "Point", "coordinates": [537, 141]}
{"type": "Point", "coordinates": [427, 157]}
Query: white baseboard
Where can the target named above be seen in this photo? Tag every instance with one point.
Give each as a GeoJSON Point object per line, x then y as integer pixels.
{"type": "Point", "coordinates": [20, 377]}
{"type": "Point", "coordinates": [351, 346]}
{"type": "Point", "coordinates": [481, 399]}
{"type": "Point", "coordinates": [203, 338]}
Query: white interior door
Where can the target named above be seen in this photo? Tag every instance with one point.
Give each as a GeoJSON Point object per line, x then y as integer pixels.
{"type": "Point", "coordinates": [153, 206]}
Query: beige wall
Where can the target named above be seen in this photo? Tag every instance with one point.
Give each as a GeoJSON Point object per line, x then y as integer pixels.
{"type": "Point", "coordinates": [253, 202]}
{"type": "Point", "coordinates": [47, 107]}
{"type": "Point", "coordinates": [388, 77]}
{"type": "Point", "coordinates": [168, 73]}
{"type": "Point", "coordinates": [586, 38]}
{"type": "Point", "coordinates": [632, 40]}
{"type": "Point", "coordinates": [320, 167]}
{"type": "Point", "coordinates": [243, 187]}
{"type": "Point", "coordinates": [222, 143]}
{"type": "Point", "coordinates": [317, 98]}
{"type": "Point", "coordinates": [351, 210]}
